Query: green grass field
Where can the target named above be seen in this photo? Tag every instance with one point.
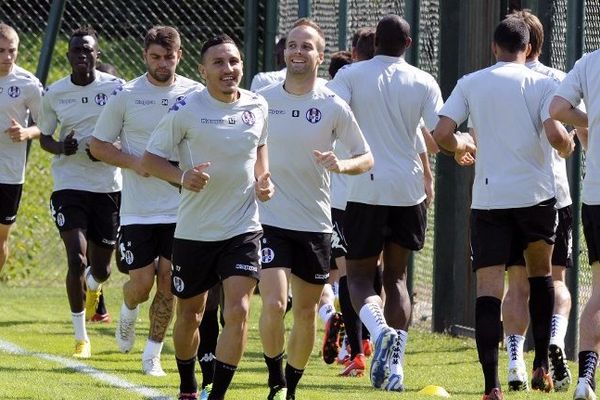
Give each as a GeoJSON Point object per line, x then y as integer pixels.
{"type": "Point", "coordinates": [37, 320]}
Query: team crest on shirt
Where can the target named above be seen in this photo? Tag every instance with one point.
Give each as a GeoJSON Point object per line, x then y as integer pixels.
{"type": "Point", "coordinates": [101, 99]}
{"type": "Point", "coordinates": [248, 118]}
{"type": "Point", "coordinates": [266, 255]}
{"type": "Point", "coordinates": [313, 115]}
{"type": "Point", "coordinates": [14, 91]}
{"type": "Point", "coordinates": [178, 284]}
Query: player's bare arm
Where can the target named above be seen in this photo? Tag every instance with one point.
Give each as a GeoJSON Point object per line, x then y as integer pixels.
{"type": "Point", "coordinates": [446, 138]}
{"type": "Point", "coordinates": [18, 133]}
{"type": "Point", "coordinates": [264, 186]}
{"type": "Point", "coordinates": [428, 180]}
{"type": "Point", "coordinates": [559, 138]}
{"type": "Point", "coordinates": [193, 179]}
{"type": "Point", "coordinates": [67, 147]}
{"type": "Point", "coordinates": [562, 110]}
{"type": "Point", "coordinates": [351, 166]}
{"type": "Point", "coordinates": [108, 153]}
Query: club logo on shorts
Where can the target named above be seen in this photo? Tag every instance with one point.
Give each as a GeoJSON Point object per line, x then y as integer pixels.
{"type": "Point", "coordinates": [101, 99]}
{"type": "Point", "coordinates": [127, 256]}
{"type": "Point", "coordinates": [266, 255]}
{"type": "Point", "coordinates": [313, 115]}
{"type": "Point", "coordinates": [248, 118]}
{"type": "Point", "coordinates": [178, 284]}
{"type": "Point", "coordinates": [14, 91]}
{"type": "Point", "coordinates": [60, 219]}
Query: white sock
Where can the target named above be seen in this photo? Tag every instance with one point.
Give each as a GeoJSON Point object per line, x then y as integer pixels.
{"type": "Point", "coordinates": [372, 316]}
{"type": "Point", "coordinates": [91, 283]}
{"type": "Point", "coordinates": [79, 325]}
{"type": "Point", "coordinates": [128, 314]}
{"type": "Point", "coordinates": [514, 347]}
{"type": "Point", "coordinates": [343, 353]}
{"type": "Point", "coordinates": [397, 359]}
{"type": "Point", "coordinates": [326, 311]}
{"type": "Point", "coordinates": [558, 330]}
{"type": "Point", "coordinates": [152, 349]}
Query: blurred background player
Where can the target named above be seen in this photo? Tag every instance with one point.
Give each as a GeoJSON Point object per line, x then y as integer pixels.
{"type": "Point", "coordinates": [86, 195]}
{"type": "Point", "coordinates": [263, 79]}
{"type": "Point", "coordinates": [23, 93]}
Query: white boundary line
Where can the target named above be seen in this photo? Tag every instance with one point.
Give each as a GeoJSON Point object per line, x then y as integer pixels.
{"type": "Point", "coordinates": [112, 380]}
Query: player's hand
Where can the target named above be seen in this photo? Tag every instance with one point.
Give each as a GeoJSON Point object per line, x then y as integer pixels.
{"type": "Point", "coordinates": [429, 191]}
{"type": "Point", "coordinates": [464, 154]}
{"type": "Point", "coordinates": [16, 132]}
{"type": "Point", "coordinates": [328, 160]}
{"type": "Point", "coordinates": [89, 153]}
{"type": "Point", "coordinates": [195, 179]}
{"type": "Point", "coordinates": [571, 148]}
{"type": "Point", "coordinates": [263, 187]}
{"type": "Point", "coordinates": [69, 144]}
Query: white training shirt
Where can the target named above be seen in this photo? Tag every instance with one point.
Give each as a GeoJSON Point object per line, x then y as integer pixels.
{"type": "Point", "coordinates": [77, 108]}
{"type": "Point", "coordinates": [297, 126]}
{"type": "Point", "coordinates": [264, 79]}
{"type": "Point", "coordinates": [559, 164]}
{"type": "Point", "coordinates": [226, 134]}
{"type": "Point", "coordinates": [583, 82]}
{"type": "Point", "coordinates": [20, 93]}
{"type": "Point", "coordinates": [132, 114]}
{"type": "Point", "coordinates": [388, 97]}
{"type": "Point", "coordinates": [507, 103]}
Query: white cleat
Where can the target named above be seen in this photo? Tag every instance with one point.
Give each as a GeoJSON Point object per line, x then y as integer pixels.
{"type": "Point", "coordinates": [125, 334]}
{"type": "Point", "coordinates": [583, 391]}
{"type": "Point", "coordinates": [517, 378]}
{"type": "Point", "coordinates": [152, 367]}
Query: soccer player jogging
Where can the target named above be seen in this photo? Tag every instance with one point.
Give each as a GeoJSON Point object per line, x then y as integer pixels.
{"type": "Point", "coordinates": [86, 196]}
{"type": "Point", "coordinates": [149, 205]}
{"type": "Point", "coordinates": [387, 208]}
{"type": "Point", "coordinates": [583, 82]}
{"type": "Point", "coordinates": [220, 133]}
{"type": "Point", "coordinates": [308, 118]}
{"type": "Point", "coordinates": [20, 94]}
{"type": "Point", "coordinates": [513, 191]}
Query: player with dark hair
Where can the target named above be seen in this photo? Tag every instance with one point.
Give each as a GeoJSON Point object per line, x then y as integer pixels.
{"type": "Point", "coordinates": [513, 191]}
{"type": "Point", "coordinates": [337, 61]}
{"type": "Point", "coordinates": [387, 208]}
{"type": "Point", "coordinates": [221, 136]}
{"type": "Point", "coordinates": [86, 196]}
{"type": "Point", "coordinates": [23, 96]}
{"type": "Point", "coordinates": [149, 205]}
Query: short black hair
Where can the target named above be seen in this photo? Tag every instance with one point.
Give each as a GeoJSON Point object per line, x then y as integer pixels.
{"type": "Point", "coordinates": [365, 47]}
{"type": "Point", "coordinates": [82, 31]}
{"type": "Point", "coordinates": [512, 35]}
{"type": "Point", "coordinates": [164, 36]}
{"type": "Point", "coordinates": [391, 35]}
{"type": "Point", "coordinates": [359, 32]}
{"type": "Point", "coordinates": [215, 41]}
{"type": "Point", "coordinates": [338, 60]}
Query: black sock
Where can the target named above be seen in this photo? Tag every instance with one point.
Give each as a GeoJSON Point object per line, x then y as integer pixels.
{"type": "Point", "coordinates": [223, 376]}
{"type": "Point", "coordinates": [488, 333]}
{"type": "Point", "coordinates": [209, 333]}
{"type": "Point", "coordinates": [541, 306]}
{"type": "Point", "coordinates": [275, 367]}
{"type": "Point", "coordinates": [292, 377]}
{"type": "Point", "coordinates": [588, 361]}
{"type": "Point", "coordinates": [101, 309]}
{"type": "Point", "coordinates": [187, 375]}
{"type": "Point", "coordinates": [351, 319]}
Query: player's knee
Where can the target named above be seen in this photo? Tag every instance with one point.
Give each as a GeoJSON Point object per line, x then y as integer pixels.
{"type": "Point", "coordinates": [236, 314]}
{"type": "Point", "coordinates": [274, 308]}
{"type": "Point", "coordinates": [76, 262]}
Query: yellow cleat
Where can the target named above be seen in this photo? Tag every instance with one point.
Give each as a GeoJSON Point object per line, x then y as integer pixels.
{"type": "Point", "coordinates": [92, 297]}
{"type": "Point", "coordinates": [83, 349]}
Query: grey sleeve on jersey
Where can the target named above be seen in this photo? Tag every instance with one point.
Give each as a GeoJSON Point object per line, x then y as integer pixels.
{"type": "Point", "coordinates": [110, 122]}
{"type": "Point", "coordinates": [48, 121]}
{"type": "Point", "coordinates": [349, 134]}
{"type": "Point", "coordinates": [167, 135]}
{"type": "Point", "coordinates": [34, 101]}
{"type": "Point", "coordinates": [339, 85]}
{"type": "Point", "coordinates": [456, 107]}
{"type": "Point", "coordinates": [571, 88]}
{"type": "Point", "coordinates": [432, 106]}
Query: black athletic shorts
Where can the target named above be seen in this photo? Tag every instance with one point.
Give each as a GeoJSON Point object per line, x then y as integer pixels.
{"type": "Point", "coordinates": [306, 253]}
{"type": "Point", "coordinates": [10, 197]}
{"type": "Point", "coordinates": [140, 244]}
{"type": "Point", "coordinates": [590, 217]}
{"type": "Point", "coordinates": [198, 266]}
{"type": "Point", "coordinates": [493, 231]}
{"type": "Point", "coordinates": [561, 255]}
{"type": "Point", "coordinates": [95, 213]}
{"type": "Point", "coordinates": [338, 240]}
{"type": "Point", "coordinates": [368, 227]}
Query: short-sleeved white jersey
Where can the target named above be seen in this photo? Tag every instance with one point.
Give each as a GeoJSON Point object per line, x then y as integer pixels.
{"type": "Point", "coordinates": [507, 103]}
{"type": "Point", "coordinates": [20, 94]}
{"type": "Point", "coordinates": [583, 82]}
{"type": "Point", "coordinates": [227, 135]}
{"type": "Point", "coordinates": [297, 126]}
{"type": "Point", "coordinates": [389, 97]}
{"type": "Point", "coordinates": [131, 115]}
{"type": "Point", "coordinates": [559, 165]}
{"type": "Point", "coordinates": [77, 108]}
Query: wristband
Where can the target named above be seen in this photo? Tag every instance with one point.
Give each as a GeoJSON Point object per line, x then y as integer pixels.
{"type": "Point", "coordinates": [182, 176]}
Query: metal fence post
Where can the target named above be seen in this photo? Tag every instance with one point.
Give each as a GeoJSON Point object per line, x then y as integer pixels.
{"type": "Point", "coordinates": [304, 8]}
{"type": "Point", "coordinates": [271, 20]}
{"type": "Point", "coordinates": [412, 11]}
{"type": "Point", "coordinates": [250, 41]}
{"type": "Point", "coordinates": [54, 20]}
{"type": "Point", "coordinates": [343, 25]}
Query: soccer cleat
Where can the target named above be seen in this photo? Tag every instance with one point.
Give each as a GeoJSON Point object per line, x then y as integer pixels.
{"type": "Point", "coordinates": [367, 347]}
{"type": "Point", "coordinates": [495, 394]}
{"type": "Point", "coordinates": [206, 392]}
{"type": "Point", "coordinates": [125, 334]}
{"type": "Point", "coordinates": [152, 367]}
{"type": "Point", "coordinates": [101, 318]}
{"type": "Point", "coordinates": [83, 349]}
{"type": "Point", "coordinates": [541, 380]}
{"type": "Point", "coordinates": [559, 369]}
{"type": "Point", "coordinates": [394, 383]}
{"type": "Point", "coordinates": [92, 297]}
{"type": "Point", "coordinates": [379, 365]}
{"type": "Point", "coordinates": [332, 338]}
{"type": "Point", "coordinates": [356, 367]}
{"type": "Point", "coordinates": [583, 391]}
{"type": "Point", "coordinates": [277, 393]}
{"type": "Point", "coordinates": [343, 361]}
{"type": "Point", "coordinates": [187, 396]}
{"type": "Point", "coordinates": [517, 378]}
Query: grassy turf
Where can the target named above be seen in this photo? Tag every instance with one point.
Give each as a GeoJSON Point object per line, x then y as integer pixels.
{"type": "Point", "coordinates": [38, 321]}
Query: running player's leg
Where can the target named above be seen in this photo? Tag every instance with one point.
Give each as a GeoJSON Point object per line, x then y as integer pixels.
{"type": "Point", "coordinates": [10, 197]}
{"type": "Point", "coordinates": [209, 332]}
{"type": "Point", "coordinates": [333, 324]}
{"type": "Point", "coordinates": [4, 250]}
